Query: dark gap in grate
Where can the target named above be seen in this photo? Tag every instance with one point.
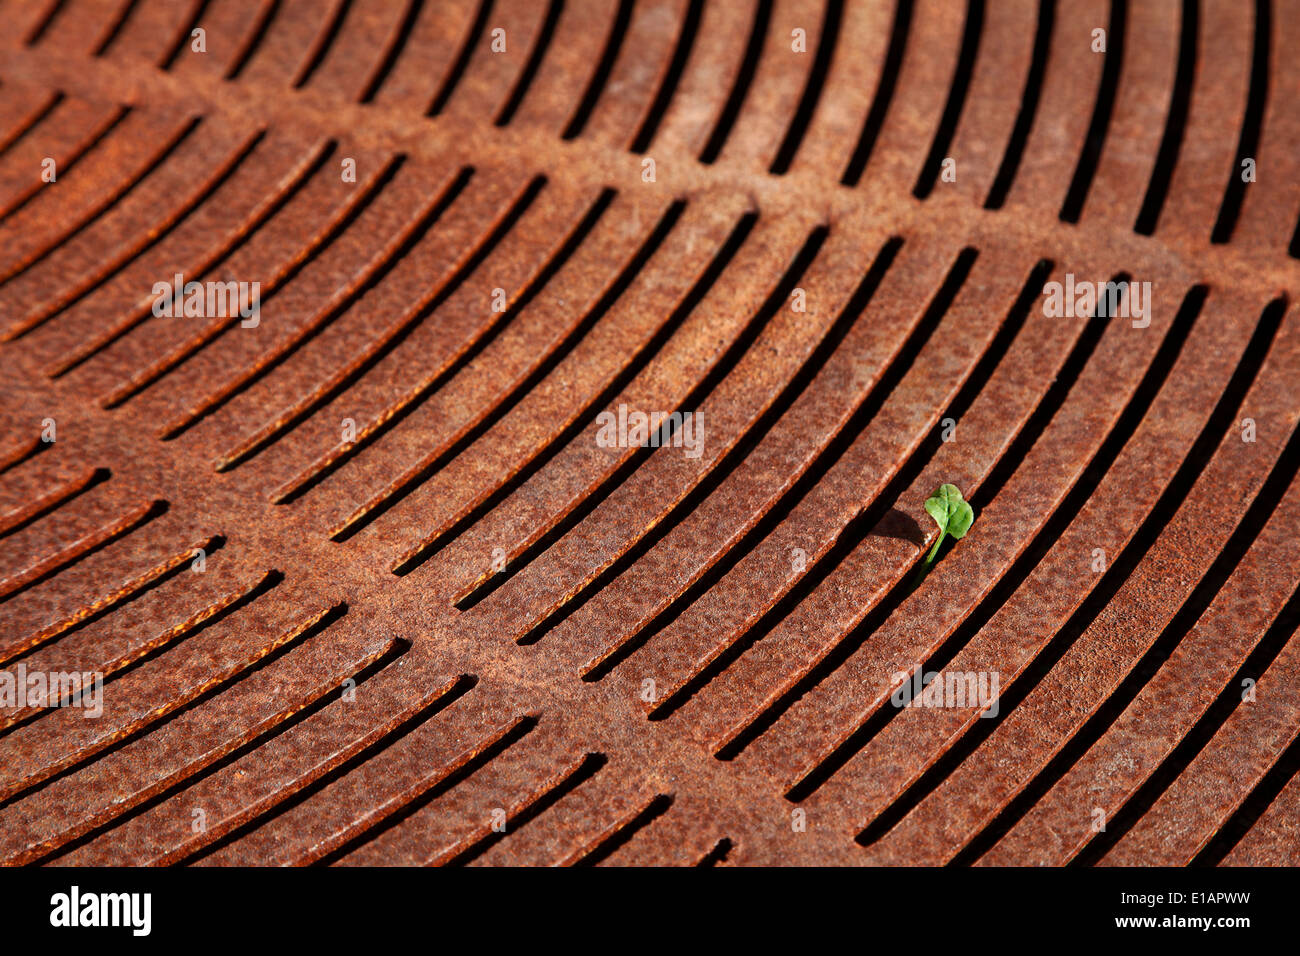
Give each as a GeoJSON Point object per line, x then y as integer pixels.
{"type": "Point", "coordinates": [1275, 637]}
{"type": "Point", "coordinates": [1175, 123]}
{"type": "Point", "coordinates": [740, 88]}
{"type": "Point", "coordinates": [1015, 151]}
{"type": "Point", "coordinates": [718, 854]}
{"type": "Point", "coordinates": [521, 729]}
{"type": "Point", "coordinates": [698, 394]}
{"type": "Point", "coordinates": [681, 53]}
{"type": "Point", "coordinates": [867, 519]}
{"type": "Point", "coordinates": [308, 631]}
{"type": "Point", "coordinates": [274, 359]}
{"type": "Point", "coordinates": [1090, 157]}
{"type": "Point", "coordinates": [970, 44]}
{"type": "Point", "coordinates": [462, 686]}
{"type": "Point", "coordinates": [69, 493]}
{"type": "Point", "coordinates": [811, 367]}
{"type": "Point", "coordinates": [621, 837]}
{"type": "Point", "coordinates": [1252, 808]}
{"type": "Point", "coordinates": [485, 249]}
{"type": "Point", "coordinates": [1112, 579]}
{"type": "Point", "coordinates": [395, 649]}
{"type": "Point", "coordinates": [191, 348]}
{"type": "Point", "coordinates": [259, 29]}
{"type": "Point", "coordinates": [115, 30]}
{"type": "Point", "coordinates": [33, 121]}
{"type": "Point", "coordinates": [21, 456]}
{"type": "Point", "coordinates": [175, 567]}
{"type": "Point", "coordinates": [38, 31]}
{"type": "Point", "coordinates": [119, 116]}
{"type": "Point", "coordinates": [588, 768]}
{"type": "Point", "coordinates": [156, 509]}
{"type": "Point", "coordinates": [884, 94]}
{"type": "Point", "coordinates": [1251, 123]}
{"type": "Point", "coordinates": [389, 59]}
{"type": "Point", "coordinates": [596, 86]}
{"type": "Point", "coordinates": [324, 41]}
{"type": "Point", "coordinates": [534, 62]}
{"type": "Point", "coordinates": [232, 166]}
{"type": "Point", "coordinates": [221, 255]}
{"type": "Point", "coordinates": [169, 58]}
{"type": "Point", "coordinates": [113, 199]}
{"type": "Point", "coordinates": [1214, 580]}
{"type": "Point", "coordinates": [543, 278]}
{"type": "Point", "coordinates": [639, 361]}
{"type": "Point", "coordinates": [1028, 436]}
{"type": "Point", "coordinates": [812, 91]}
{"type": "Point", "coordinates": [453, 77]}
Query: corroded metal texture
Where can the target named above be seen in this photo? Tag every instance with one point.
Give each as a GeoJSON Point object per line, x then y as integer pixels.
{"type": "Point", "coordinates": [362, 580]}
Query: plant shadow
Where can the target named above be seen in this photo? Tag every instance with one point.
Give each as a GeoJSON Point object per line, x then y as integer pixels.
{"type": "Point", "coordinates": [899, 524]}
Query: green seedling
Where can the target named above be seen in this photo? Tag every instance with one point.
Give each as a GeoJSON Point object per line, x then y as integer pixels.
{"type": "Point", "coordinates": [954, 516]}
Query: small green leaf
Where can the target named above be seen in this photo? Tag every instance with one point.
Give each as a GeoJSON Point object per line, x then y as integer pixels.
{"type": "Point", "coordinates": [952, 514]}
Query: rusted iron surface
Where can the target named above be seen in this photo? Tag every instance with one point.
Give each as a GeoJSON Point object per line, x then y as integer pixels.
{"type": "Point", "coordinates": [361, 577]}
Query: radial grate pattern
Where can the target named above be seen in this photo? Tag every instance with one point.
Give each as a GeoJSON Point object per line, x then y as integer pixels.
{"type": "Point", "coordinates": [359, 575]}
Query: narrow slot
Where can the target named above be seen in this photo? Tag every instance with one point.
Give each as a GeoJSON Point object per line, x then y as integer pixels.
{"type": "Point", "coordinates": [386, 346]}
{"type": "Point", "coordinates": [1114, 577]}
{"type": "Point", "coordinates": [1251, 123]}
{"type": "Point", "coordinates": [1090, 156]}
{"type": "Point", "coordinates": [133, 591]}
{"type": "Point", "coordinates": [624, 834]}
{"type": "Point", "coordinates": [744, 80]}
{"type": "Point", "coordinates": [812, 90]}
{"type": "Point", "coordinates": [1203, 731]}
{"type": "Point", "coordinates": [274, 358]}
{"type": "Point", "coordinates": [1252, 808]}
{"type": "Point", "coordinates": [323, 44]}
{"type": "Point", "coordinates": [591, 765]}
{"type": "Point", "coordinates": [812, 366]}
{"type": "Point", "coordinates": [232, 166]}
{"type": "Point", "coordinates": [110, 201]}
{"type": "Point", "coordinates": [313, 627]}
{"type": "Point", "coordinates": [38, 31]}
{"type": "Point", "coordinates": [970, 44]}
{"type": "Point", "coordinates": [268, 582]}
{"type": "Point", "coordinates": [1028, 108]}
{"type": "Point", "coordinates": [62, 496]}
{"type": "Point", "coordinates": [1175, 124]}
{"type": "Point", "coordinates": [124, 14]}
{"type": "Point", "coordinates": [179, 356]}
{"type": "Point", "coordinates": [863, 523]}
{"type": "Point", "coordinates": [155, 510]}
{"type": "Point", "coordinates": [67, 364]}
{"type": "Point", "coordinates": [875, 120]}
{"type": "Point", "coordinates": [452, 78]}
{"type": "Point", "coordinates": [718, 855]}
{"type": "Point", "coordinates": [397, 416]}
{"type": "Point", "coordinates": [544, 368]}
{"type": "Point", "coordinates": [613, 43]}
{"type": "Point", "coordinates": [33, 121]}
{"type": "Point", "coordinates": [672, 79]}
{"type": "Point", "coordinates": [462, 686]}
{"type": "Point", "coordinates": [582, 421]}
{"type": "Point", "coordinates": [1214, 579]}
{"type": "Point", "coordinates": [260, 28]}
{"type": "Point", "coordinates": [395, 649]}
{"type": "Point", "coordinates": [868, 519]}
{"type": "Point", "coordinates": [521, 729]}
{"type": "Point", "coordinates": [534, 63]}
{"type": "Point", "coordinates": [699, 393]}
{"type": "Point", "coordinates": [395, 48]}
{"type": "Point", "coordinates": [169, 58]}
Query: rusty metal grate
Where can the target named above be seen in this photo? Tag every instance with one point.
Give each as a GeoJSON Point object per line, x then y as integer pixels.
{"type": "Point", "coordinates": [428, 599]}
